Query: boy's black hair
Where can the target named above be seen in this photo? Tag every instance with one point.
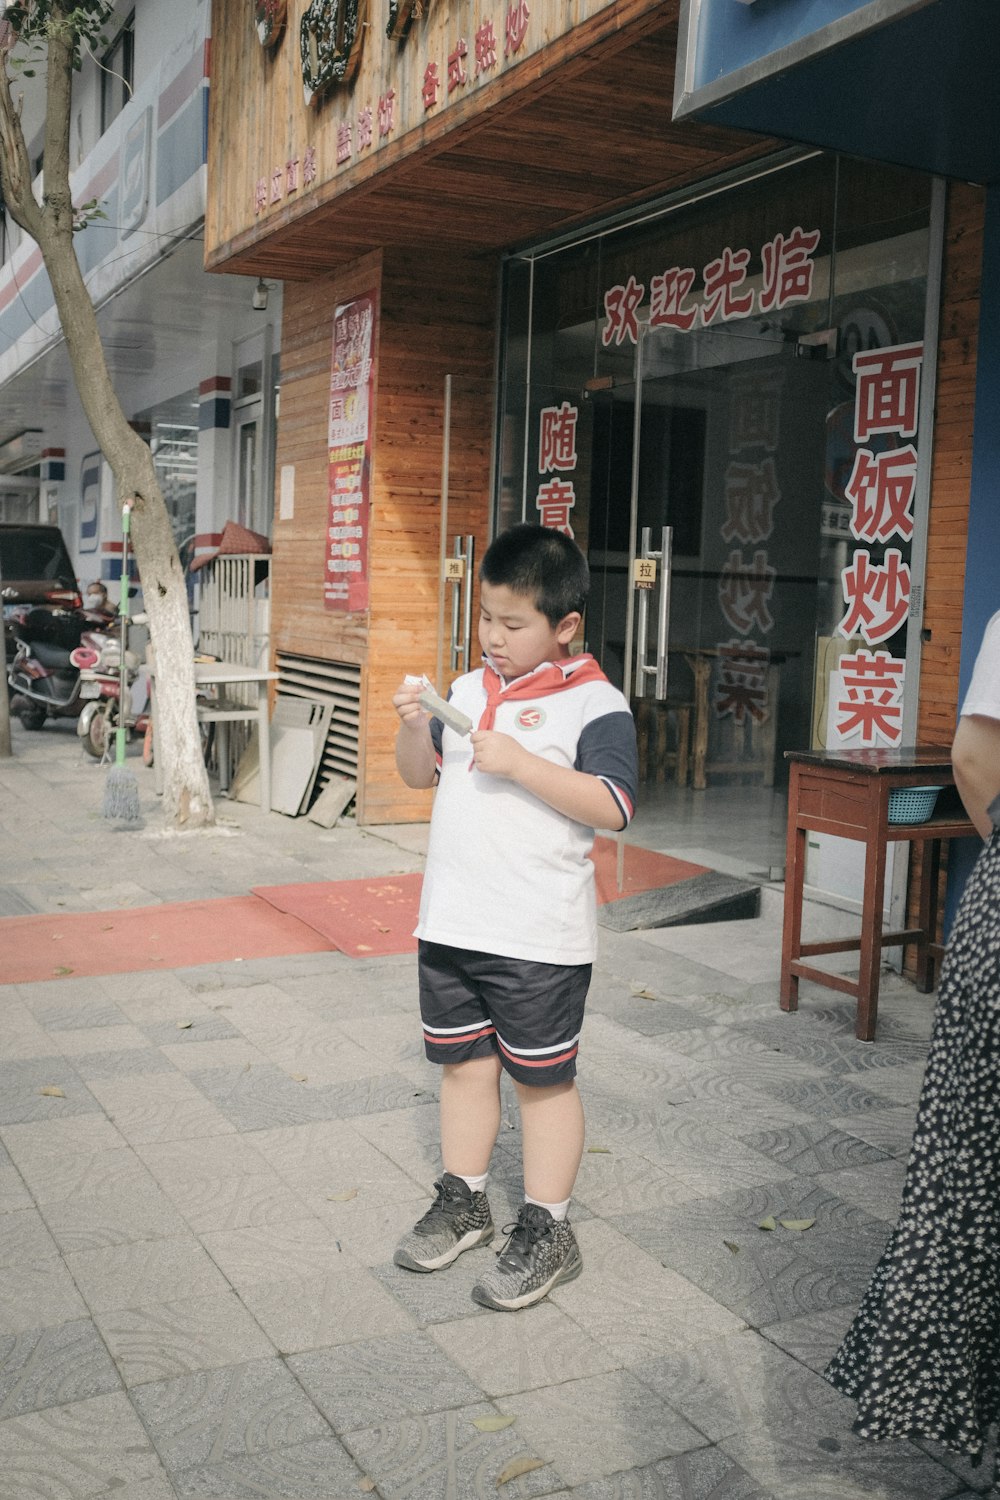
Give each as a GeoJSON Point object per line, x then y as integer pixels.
{"type": "Point", "coordinates": [542, 563]}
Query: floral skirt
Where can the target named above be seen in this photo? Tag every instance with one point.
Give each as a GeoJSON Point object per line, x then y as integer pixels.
{"type": "Point", "coordinates": [922, 1357]}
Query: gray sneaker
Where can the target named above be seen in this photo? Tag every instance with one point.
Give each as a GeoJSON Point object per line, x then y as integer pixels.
{"type": "Point", "coordinates": [541, 1252]}
{"type": "Point", "coordinates": [457, 1220]}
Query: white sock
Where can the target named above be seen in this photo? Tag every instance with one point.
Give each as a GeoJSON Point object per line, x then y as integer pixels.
{"type": "Point", "coordinates": [475, 1184]}
{"type": "Point", "coordinates": [557, 1210]}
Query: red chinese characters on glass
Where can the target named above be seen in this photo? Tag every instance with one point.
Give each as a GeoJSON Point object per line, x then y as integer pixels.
{"type": "Point", "coordinates": [751, 494]}
{"type": "Point", "coordinates": [871, 702]}
{"type": "Point", "coordinates": [515, 27]}
{"type": "Point", "coordinates": [722, 277]}
{"type": "Point", "coordinates": [877, 597]}
{"type": "Point", "coordinates": [881, 490]}
{"type": "Point", "coordinates": [621, 304]}
{"type": "Point", "coordinates": [486, 48]}
{"type": "Point", "coordinates": [666, 299]}
{"type": "Point", "coordinates": [555, 500]}
{"type": "Point", "coordinates": [741, 689]}
{"type": "Point", "coordinates": [787, 269]}
{"type": "Point", "coordinates": [755, 413]}
{"type": "Point", "coordinates": [557, 438]}
{"type": "Point", "coordinates": [888, 390]}
{"type": "Point", "coordinates": [745, 591]}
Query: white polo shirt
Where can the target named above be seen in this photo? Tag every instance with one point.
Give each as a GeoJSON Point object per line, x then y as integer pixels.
{"type": "Point", "coordinates": [506, 873]}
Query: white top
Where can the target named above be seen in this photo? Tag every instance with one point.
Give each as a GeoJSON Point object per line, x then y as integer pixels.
{"type": "Point", "coordinates": [983, 696]}
{"type": "Point", "coordinates": [506, 873]}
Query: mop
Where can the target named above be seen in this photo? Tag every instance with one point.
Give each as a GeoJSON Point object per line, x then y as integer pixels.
{"type": "Point", "coordinates": [121, 790]}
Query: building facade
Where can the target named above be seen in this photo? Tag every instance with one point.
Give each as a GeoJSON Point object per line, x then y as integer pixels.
{"type": "Point", "coordinates": [517, 287]}
{"type": "Point", "coordinates": [194, 362]}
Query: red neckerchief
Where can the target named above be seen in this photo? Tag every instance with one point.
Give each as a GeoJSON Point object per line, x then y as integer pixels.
{"type": "Point", "coordinates": [551, 677]}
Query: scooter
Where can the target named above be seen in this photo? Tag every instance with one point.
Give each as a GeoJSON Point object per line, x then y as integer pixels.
{"type": "Point", "coordinates": [100, 690]}
{"type": "Point", "coordinates": [44, 679]}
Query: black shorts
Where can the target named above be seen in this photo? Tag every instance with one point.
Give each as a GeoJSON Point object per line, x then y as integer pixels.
{"type": "Point", "coordinates": [476, 1004]}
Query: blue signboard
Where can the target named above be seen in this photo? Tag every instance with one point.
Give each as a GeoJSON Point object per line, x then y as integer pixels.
{"type": "Point", "coordinates": [726, 45]}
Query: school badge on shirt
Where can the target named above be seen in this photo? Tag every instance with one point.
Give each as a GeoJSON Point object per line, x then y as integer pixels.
{"type": "Point", "coordinates": [530, 718]}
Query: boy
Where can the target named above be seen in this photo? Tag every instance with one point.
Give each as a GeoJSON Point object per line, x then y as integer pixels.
{"type": "Point", "coordinates": [507, 923]}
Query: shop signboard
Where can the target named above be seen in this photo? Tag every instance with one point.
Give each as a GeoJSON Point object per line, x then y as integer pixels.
{"type": "Point", "coordinates": [352, 387]}
{"type": "Point", "coordinates": [728, 45]}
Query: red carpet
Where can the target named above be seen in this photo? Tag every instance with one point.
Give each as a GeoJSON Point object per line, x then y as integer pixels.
{"type": "Point", "coordinates": [363, 918]}
{"type": "Point", "coordinates": [360, 917]}
{"type": "Point", "coordinates": [169, 936]}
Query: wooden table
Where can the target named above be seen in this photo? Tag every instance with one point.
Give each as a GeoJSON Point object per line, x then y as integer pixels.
{"type": "Point", "coordinates": [846, 793]}
{"type": "Point", "coordinates": [701, 660]}
{"type": "Point", "coordinates": [225, 711]}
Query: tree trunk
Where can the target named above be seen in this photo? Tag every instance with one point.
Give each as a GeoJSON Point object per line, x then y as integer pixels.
{"type": "Point", "coordinates": [187, 800]}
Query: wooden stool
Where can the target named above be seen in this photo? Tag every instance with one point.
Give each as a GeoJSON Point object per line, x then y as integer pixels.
{"type": "Point", "coordinates": [655, 758]}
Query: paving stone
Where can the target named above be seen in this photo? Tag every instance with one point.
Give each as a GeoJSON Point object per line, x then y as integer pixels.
{"type": "Point", "coordinates": [91, 1447]}
{"type": "Point", "coordinates": [317, 1311]}
{"type": "Point", "coordinates": [503, 1355]}
{"type": "Point", "coordinates": [814, 1338]}
{"type": "Point", "coordinates": [222, 1184]}
{"type": "Point", "coordinates": [310, 1471]}
{"type": "Point", "coordinates": [131, 1063]}
{"type": "Point", "coordinates": [814, 1148]}
{"type": "Point", "coordinates": [40, 1294]}
{"type": "Point", "coordinates": [164, 1340]}
{"type": "Point", "coordinates": [704, 1474]}
{"type": "Point", "coordinates": [78, 1042]}
{"type": "Point", "coordinates": [596, 1426]}
{"type": "Point", "coordinates": [86, 1222]}
{"type": "Point", "coordinates": [266, 1097]}
{"type": "Point", "coordinates": [54, 1179]}
{"type": "Point", "coordinates": [162, 1107]}
{"type": "Point", "coordinates": [42, 1367]}
{"type": "Point", "coordinates": [443, 1456]}
{"type": "Point", "coordinates": [237, 1411]}
{"type": "Point", "coordinates": [44, 1142]}
{"type": "Point", "coordinates": [379, 1380]}
{"type": "Point", "coordinates": [725, 1385]}
{"type": "Point", "coordinates": [24, 1238]}
{"type": "Point", "coordinates": [332, 1156]}
{"type": "Point", "coordinates": [205, 1026]}
{"type": "Point", "coordinates": [146, 1271]}
{"type": "Point", "coordinates": [21, 1097]}
{"type": "Point", "coordinates": [822, 1460]}
{"type": "Point", "coordinates": [631, 1304]}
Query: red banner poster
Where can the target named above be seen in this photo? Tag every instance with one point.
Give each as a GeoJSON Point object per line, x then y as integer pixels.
{"type": "Point", "coordinates": [352, 384]}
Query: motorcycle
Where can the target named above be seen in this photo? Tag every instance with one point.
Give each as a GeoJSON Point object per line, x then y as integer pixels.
{"type": "Point", "coordinates": [43, 678]}
{"type": "Point", "coordinates": [100, 690]}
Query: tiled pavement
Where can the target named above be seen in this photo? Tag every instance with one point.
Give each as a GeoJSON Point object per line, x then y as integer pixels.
{"type": "Point", "coordinates": [197, 1295]}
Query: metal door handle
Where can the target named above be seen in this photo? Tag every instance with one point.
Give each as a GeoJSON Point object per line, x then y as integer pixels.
{"type": "Point", "coordinates": [658, 670]}
{"type": "Point", "coordinates": [461, 604]}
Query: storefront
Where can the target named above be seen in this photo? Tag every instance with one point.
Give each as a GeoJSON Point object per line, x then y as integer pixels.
{"type": "Point", "coordinates": [744, 366]}
{"type": "Point", "coordinates": [490, 313]}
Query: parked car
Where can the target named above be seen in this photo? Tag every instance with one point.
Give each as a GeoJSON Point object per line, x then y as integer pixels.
{"type": "Point", "coordinates": [35, 569]}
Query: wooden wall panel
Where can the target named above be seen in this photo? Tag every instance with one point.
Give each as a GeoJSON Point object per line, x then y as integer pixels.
{"type": "Point", "coordinates": [437, 317]}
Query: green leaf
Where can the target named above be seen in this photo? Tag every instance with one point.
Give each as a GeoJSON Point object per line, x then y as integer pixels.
{"type": "Point", "coordinates": [599, 1150]}
{"type": "Point", "coordinates": [731, 1247]}
{"type": "Point", "coordinates": [492, 1424]}
{"type": "Point", "coordinates": [797, 1223]}
{"type": "Point", "coordinates": [767, 1223]}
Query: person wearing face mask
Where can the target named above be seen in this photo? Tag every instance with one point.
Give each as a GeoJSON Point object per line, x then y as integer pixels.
{"type": "Point", "coordinates": [96, 600]}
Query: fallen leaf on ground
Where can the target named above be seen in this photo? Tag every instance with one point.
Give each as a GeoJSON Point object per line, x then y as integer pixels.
{"type": "Point", "coordinates": [519, 1466]}
{"type": "Point", "coordinates": [184, 1025]}
{"type": "Point", "coordinates": [299, 1077]}
{"type": "Point", "coordinates": [767, 1223]}
{"type": "Point", "coordinates": [599, 1150]}
{"type": "Point", "coordinates": [51, 1092]}
{"type": "Point", "coordinates": [62, 969]}
{"type": "Point", "coordinates": [733, 1248]}
{"type": "Point", "coordinates": [344, 1197]}
{"type": "Point", "coordinates": [797, 1223]}
{"type": "Point", "coordinates": [492, 1424]}
{"type": "Point", "coordinates": [642, 993]}
{"type": "Point", "coordinates": [366, 1486]}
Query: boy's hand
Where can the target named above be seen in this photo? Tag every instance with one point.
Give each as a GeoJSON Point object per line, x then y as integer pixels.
{"type": "Point", "coordinates": [498, 754]}
{"type": "Point", "coordinates": [405, 702]}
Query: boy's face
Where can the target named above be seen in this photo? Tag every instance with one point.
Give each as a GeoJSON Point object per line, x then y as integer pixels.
{"type": "Point", "coordinates": [515, 635]}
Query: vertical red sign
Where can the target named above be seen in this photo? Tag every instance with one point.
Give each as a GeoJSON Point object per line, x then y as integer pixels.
{"type": "Point", "coordinates": [352, 385]}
